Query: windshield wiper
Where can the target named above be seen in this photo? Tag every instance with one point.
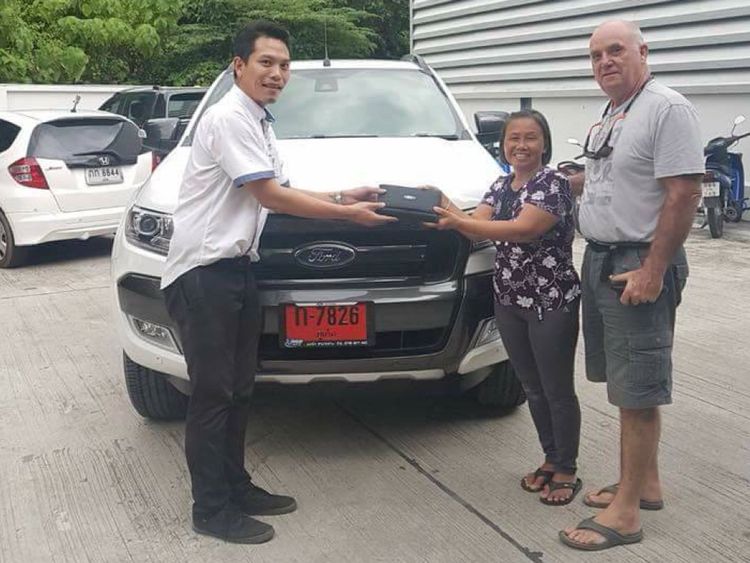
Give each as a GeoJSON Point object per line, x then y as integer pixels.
{"type": "Point", "coordinates": [359, 136]}
{"type": "Point", "coordinates": [92, 153]}
{"type": "Point", "coordinates": [451, 137]}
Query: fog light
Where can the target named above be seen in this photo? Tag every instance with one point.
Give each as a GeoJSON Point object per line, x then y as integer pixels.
{"type": "Point", "coordinates": [488, 333]}
{"type": "Point", "coordinates": [155, 333]}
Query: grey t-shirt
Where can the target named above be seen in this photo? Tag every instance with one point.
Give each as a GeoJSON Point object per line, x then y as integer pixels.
{"type": "Point", "coordinates": [659, 137]}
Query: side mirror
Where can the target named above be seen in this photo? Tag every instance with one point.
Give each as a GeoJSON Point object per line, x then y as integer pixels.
{"type": "Point", "coordinates": [489, 125]}
{"type": "Point", "coordinates": [162, 134]}
{"type": "Point", "coordinates": [737, 120]}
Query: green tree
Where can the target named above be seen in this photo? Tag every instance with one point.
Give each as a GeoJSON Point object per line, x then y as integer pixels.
{"type": "Point", "coordinates": [30, 51]}
{"type": "Point", "coordinates": [82, 40]}
{"type": "Point", "coordinates": [203, 43]}
{"type": "Point", "coordinates": [180, 42]}
{"type": "Point", "coordinates": [390, 22]}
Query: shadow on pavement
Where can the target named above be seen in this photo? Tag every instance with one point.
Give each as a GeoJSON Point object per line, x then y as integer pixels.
{"type": "Point", "coordinates": [68, 251]}
{"type": "Point", "coordinates": [407, 402]}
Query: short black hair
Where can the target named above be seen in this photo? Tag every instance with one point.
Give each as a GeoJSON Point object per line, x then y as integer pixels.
{"type": "Point", "coordinates": [244, 41]}
{"type": "Point", "coordinates": [543, 125]}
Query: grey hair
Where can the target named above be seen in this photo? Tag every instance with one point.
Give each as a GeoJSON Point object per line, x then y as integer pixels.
{"type": "Point", "coordinates": [633, 27]}
{"type": "Point", "coordinates": [637, 33]}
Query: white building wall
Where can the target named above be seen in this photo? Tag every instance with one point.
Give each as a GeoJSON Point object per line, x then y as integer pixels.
{"type": "Point", "coordinates": [44, 96]}
{"type": "Point", "coordinates": [493, 53]}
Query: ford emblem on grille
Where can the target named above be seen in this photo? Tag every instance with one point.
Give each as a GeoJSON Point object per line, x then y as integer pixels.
{"type": "Point", "coordinates": [325, 255]}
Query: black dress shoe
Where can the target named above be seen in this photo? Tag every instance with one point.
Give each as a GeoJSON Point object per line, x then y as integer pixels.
{"type": "Point", "coordinates": [258, 502]}
{"type": "Point", "coordinates": [232, 525]}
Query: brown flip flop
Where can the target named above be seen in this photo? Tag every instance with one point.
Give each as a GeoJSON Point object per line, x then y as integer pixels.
{"type": "Point", "coordinates": [645, 504]}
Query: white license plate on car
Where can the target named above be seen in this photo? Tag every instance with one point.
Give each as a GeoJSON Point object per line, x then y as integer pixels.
{"type": "Point", "coordinates": [104, 175]}
{"type": "Point", "coordinates": [711, 189]}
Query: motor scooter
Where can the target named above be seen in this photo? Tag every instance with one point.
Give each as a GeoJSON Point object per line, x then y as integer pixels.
{"type": "Point", "coordinates": [723, 186]}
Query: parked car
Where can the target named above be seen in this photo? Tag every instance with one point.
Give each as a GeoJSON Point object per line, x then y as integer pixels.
{"type": "Point", "coordinates": [150, 106]}
{"type": "Point", "coordinates": [64, 175]}
{"type": "Point", "coordinates": [142, 103]}
{"type": "Point", "coordinates": [426, 298]}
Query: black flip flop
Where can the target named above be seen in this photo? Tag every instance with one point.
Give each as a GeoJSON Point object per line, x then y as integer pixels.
{"type": "Point", "coordinates": [611, 536]}
{"type": "Point", "coordinates": [547, 475]}
{"type": "Point", "coordinates": [556, 486]}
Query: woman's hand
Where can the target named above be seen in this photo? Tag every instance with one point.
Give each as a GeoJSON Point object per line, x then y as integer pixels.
{"type": "Point", "coordinates": [447, 219]}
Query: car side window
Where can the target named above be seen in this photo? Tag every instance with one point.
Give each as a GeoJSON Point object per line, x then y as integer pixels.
{"type": "Point", "coordinates": [8, 133]}
{"type": "Point", "coordinates": [111, 104]}
{"type": "Point", "coordinates": [183, 105]}
{"type": "Point", "coordinates": [137, 107]}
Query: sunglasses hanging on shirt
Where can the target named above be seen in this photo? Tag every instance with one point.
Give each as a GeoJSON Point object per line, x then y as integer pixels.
{"type": "Point", "coordinates": [606, 149]}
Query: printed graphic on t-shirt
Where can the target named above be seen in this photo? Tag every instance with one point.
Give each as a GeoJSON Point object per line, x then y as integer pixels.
{"type": "Point", "coordinates": [600, 182]}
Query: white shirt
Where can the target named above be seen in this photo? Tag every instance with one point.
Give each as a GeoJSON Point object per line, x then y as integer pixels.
{"type": "Point", "coordinates": [215, 216]}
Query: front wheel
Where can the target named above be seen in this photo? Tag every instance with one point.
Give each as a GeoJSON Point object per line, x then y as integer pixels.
{"type": "Point", "coordinates": [500, 389]}
{"type": "Point", "coordinates": [715, 222]}
{"type": "Point", "coordinates": [151, 394]}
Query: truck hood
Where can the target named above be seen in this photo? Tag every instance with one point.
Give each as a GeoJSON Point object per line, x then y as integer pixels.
{"type": "Point", "coordinates": [463, 170]}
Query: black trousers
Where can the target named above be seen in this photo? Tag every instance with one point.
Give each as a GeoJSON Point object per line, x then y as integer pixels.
{"type": "Point", "coordinates": [543, 357]}
{"type": "Point", "coordinates": [218, 318]}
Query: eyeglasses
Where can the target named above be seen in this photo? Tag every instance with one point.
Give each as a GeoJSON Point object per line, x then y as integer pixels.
{"type": "Point", "coordinates": [606, 149]}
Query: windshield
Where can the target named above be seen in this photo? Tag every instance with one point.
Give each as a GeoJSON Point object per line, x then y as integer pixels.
{"type": "Point", "coordinates": [328, 102]}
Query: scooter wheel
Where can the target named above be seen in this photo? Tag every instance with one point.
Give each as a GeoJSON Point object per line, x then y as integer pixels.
{"type": "Point", "coordinates": [715, 222]}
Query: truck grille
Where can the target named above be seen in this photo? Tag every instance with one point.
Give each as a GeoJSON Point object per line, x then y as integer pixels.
{"type": "Point", "coordinates": [305, 251]}
{"type": "Point", "coordinates": [387, 344]}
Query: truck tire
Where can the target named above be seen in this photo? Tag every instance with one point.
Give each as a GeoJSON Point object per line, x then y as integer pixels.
{"type": "Point", "coordinates": [501, 388]}
{"type": "Point", "coordinates": [10, 254]}
{"type": "Point", "coordinates": [715, 222]}
{"type": "Point", "coordinates": [151, 393]}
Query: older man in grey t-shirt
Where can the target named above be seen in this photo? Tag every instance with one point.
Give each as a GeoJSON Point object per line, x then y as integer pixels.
{"type": "Point", "coordinates": [642, 185]}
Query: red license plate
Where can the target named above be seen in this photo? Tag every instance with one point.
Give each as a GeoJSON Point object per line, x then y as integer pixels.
{"type": "Point", "coordinates": [317, 326]}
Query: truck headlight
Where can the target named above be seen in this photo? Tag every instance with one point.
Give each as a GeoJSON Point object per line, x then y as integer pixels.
{"type": "Point", "coordinates": [481, 259]}
{"type": "Point", "coordinates": [149, 229]}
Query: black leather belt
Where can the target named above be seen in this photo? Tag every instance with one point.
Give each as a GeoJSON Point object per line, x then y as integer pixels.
{"type": "Point", "coordinates": [597, 246]}
{"type": "Point", "coordinates": [609, 248]}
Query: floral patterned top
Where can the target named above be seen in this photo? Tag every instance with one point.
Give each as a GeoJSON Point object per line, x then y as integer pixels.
{"type": "Point", "coordinates": [536, 275]}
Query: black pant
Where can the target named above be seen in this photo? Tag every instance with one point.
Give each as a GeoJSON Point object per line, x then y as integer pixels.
{"type": "Point", "coordinates": [217, 312]}
{"type": "Point", "coordinates": [543, 357]}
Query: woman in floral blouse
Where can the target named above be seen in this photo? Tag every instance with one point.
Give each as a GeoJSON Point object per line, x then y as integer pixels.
{"type": "Point", "coordinates": [529, 215]}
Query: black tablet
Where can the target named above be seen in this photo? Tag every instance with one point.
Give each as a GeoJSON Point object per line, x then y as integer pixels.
{"type": "Point", "coordinates": [407, 203]}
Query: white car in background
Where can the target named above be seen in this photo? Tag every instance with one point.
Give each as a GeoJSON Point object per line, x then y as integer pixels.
{"type": "Point", "coordinates": [65, 175]}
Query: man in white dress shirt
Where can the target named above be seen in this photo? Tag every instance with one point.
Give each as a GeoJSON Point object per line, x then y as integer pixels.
{"type": "Point", "coordinates": [233, 177]}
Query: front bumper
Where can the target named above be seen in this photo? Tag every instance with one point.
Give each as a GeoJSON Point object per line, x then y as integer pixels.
{"type": "Point", "coordinates": [437, 328]}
